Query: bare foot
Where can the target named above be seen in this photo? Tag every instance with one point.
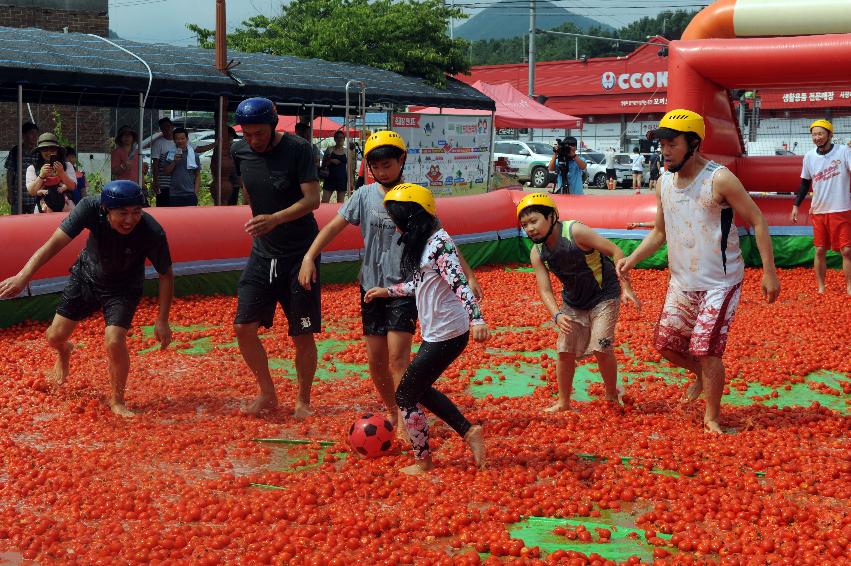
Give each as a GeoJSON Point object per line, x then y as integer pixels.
{"type": "Point", "coordinates": [692, 392]}
{"type": "Point", "coordinates": [712, 427]}
{"type": "Point", "coordinates": [121, 409]}
{"type": "Point", "coordinates": [475, 439]}
{"type": "Point", "coordinates": [558, 407]}
{"type": "Point", "coordinates": [62, 368]}
{"type": "Point", "coordinates": [421, 467]}
{"type": "Point", "coordinates": [615, 401]}
{"type": "Point", "coordinates": [261, 404]}
{"type": "Point", "coordinates": [401, 429]}
{"type": "Point", "coordinates": [301, 411]}
{"type": "Point", "coordinates": [821, 289]}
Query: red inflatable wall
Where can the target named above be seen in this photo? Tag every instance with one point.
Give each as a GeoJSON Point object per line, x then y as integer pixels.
{"type": "Point", "coordinates": [206, 233]}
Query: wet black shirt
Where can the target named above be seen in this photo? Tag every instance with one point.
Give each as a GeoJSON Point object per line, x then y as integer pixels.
{"type": "Point", "coordinates": [110, 260]}
{"type": "Point", "coordinates": [273, 180]}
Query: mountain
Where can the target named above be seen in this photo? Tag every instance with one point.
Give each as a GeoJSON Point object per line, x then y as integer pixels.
{"type": "Point", "coordinates": [511, 19]}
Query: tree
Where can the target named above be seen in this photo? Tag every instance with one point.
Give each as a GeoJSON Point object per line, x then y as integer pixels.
{"type": "Point", "coordinates": [407, 37]}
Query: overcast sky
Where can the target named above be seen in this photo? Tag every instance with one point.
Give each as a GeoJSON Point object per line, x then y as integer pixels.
{"type": "Point", "coordinates": [164, 21]}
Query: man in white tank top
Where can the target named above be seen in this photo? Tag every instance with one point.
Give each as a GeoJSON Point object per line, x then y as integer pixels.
{"type": "Point", "coordinates": [696, 201]}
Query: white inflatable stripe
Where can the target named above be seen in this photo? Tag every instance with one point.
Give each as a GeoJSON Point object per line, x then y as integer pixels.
{"type": "Point", "coordinates": [762, 18]}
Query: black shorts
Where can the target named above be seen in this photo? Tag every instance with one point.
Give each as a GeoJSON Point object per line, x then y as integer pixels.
{"type": "Point", "coordinates": [266, 282]}
{"type": "Point", "coordinates": [654, 174]}
{"type": "Point", "coordinates": [380, 316]}
{"type": "Point", "coordinates": [612, 174]}
{"type": "Point", "coordinates": [81, 299]}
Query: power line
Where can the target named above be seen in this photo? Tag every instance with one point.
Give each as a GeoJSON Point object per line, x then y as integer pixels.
{"type": "Point", "coordinates": [128, 3]}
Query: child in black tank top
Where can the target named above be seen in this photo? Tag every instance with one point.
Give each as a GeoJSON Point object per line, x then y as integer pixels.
{"type": "Point", "coordinates": [582, 260]}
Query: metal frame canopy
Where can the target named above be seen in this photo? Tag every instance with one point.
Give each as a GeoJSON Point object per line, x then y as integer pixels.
{"type": "Point", "coordinates": [87, 70]}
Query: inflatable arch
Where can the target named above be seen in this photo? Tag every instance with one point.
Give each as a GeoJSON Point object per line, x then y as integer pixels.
{"type": "Point", "coordinates": [720, 51]}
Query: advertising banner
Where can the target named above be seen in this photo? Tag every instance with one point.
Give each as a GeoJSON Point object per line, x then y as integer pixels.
{"type": "Point", "coordinates": [448, 153]}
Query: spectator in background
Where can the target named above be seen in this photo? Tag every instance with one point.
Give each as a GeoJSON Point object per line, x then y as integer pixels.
{"type": "Point", "coordinates": [230, 180]}
{"type": "Point", "coordinates": [80, 192]}
{"type": "Point", "coordinates": [50, 178]}
{"type": "Point", "coordinates": [568, 167]}
{"type": "Point", "coordinates": [611, 171]}
{"type": "Point", "coordinates": [655, 165]}
{"type": "Point", "coordinates": [125, 156]}
{"type": "Point", "coordinates": [161, 147]}
{"type": "Point", "coordinates": [30, 132]}
{"type": "Point", "coordinates": [183, 167]}
{"type": "Point", "coordinates": [637, 170]}
{"type": "Point", "coordinates": [335, 160]}
{"type": "Point", "coordinates": [302, 130]}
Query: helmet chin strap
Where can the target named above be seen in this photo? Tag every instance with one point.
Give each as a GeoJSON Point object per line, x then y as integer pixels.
{"type": "Point", "coordinates": [689, 154]}
{"type": "Point", "coordinates": [550, 231]}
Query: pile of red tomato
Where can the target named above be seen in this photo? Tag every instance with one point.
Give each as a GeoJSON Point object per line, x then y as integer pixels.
{"type": "Point", "coordinates": [177, 484]}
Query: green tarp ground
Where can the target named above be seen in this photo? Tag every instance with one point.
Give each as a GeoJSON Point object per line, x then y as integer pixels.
{"type": "Point", "coordinates": [296, 456]}
{"type": "Point", "coordinates": [625, 541]}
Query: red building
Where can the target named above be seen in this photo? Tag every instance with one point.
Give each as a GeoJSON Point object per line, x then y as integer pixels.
{"type": "Point", "coordinates": [619, 98]}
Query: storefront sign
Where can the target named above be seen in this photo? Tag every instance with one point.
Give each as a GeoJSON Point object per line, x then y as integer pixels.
{"type": "Point", "coordinates": [629, 81]}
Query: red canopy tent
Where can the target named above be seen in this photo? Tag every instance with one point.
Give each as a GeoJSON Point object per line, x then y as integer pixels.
{"type": "Point", "coordinates": [513, 109]}
{"type": "Point", "coordinates": [322, 127]}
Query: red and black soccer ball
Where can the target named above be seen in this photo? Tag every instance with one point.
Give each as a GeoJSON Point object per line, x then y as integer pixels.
{"type": "Point", "coordinates": [371, 436]}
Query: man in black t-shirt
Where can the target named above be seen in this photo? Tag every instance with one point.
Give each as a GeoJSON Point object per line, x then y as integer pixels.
{"type": "Point", "coordinates": [280, 178]}
{"type": "Point", "coordinates": [108, 276]}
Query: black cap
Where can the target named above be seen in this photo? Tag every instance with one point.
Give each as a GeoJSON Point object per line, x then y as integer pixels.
{"type": "Point", "coordinates": [663, 134]}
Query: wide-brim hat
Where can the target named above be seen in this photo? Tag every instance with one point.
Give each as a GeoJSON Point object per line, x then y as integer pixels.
{"type": "Point", "coordinates": [46, 140]}
{"type": "Point", "coordinates": [126, 130]}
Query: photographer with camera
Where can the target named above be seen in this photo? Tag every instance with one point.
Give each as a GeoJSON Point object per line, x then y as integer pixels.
{"type": "Point", "coordinates": [568, 167]}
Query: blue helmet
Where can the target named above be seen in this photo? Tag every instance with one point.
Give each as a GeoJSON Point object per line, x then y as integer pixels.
{"type": "Point", "coordinates": [256, 111]}
{"type": "Point", "coordinates": [118, 194]}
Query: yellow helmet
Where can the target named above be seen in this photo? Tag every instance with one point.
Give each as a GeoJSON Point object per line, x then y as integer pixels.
{"type": "Point", "coordinates": [536, 199]}
{"type": "Point", "coordinates": [381, 139]}
{"type": "Point", "coordinates": [676, 122]}
{"type": "Point", "coordinates": [409, 192]}
{"type": "Point", "coordinates": [822, 124]}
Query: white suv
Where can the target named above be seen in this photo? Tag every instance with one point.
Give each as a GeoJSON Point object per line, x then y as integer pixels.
{"type": "Point", "coordinates": [530, 158]}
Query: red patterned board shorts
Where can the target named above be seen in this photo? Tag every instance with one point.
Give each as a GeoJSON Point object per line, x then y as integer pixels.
{"type": "Point", "coordinates": [697, 322]}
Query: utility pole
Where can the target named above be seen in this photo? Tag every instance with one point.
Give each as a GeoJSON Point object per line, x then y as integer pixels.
{"type": "Point", "coordinates": [452, 21]}
{"type": "Point", "coordinates": [532, 26]}
{"type": "Point", "coordinates": [222, 110]}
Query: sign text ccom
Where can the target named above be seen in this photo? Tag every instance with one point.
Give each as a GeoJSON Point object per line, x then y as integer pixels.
{"type": "Point", "coordinates": [629, 81]}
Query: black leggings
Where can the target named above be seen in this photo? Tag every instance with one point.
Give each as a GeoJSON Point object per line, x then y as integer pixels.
{"type": "Point", "coordinates": [416, 389]}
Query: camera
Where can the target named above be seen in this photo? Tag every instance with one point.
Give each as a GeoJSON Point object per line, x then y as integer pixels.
{"type": "Point", "coordinates": [565, 148]}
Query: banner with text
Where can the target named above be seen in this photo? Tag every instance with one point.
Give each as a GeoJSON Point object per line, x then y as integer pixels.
{"type": "Point", "coordinates": [450, 154]}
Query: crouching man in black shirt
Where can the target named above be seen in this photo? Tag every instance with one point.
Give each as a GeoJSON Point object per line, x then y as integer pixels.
{"type": "Point", "coordinates": [108, 276]}
{"type": "Point", "coordinates": [280, 177]}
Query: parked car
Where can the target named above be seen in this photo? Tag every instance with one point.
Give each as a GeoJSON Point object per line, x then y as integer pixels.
{"type": "Point", "coordinates": [530, 158]}
{"type": "Point", "coordinates": [596, 156]}
{"type": "Point", "coordinates": [595, 172]}
{"type": "Point", "coordinates": [623, 169]}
